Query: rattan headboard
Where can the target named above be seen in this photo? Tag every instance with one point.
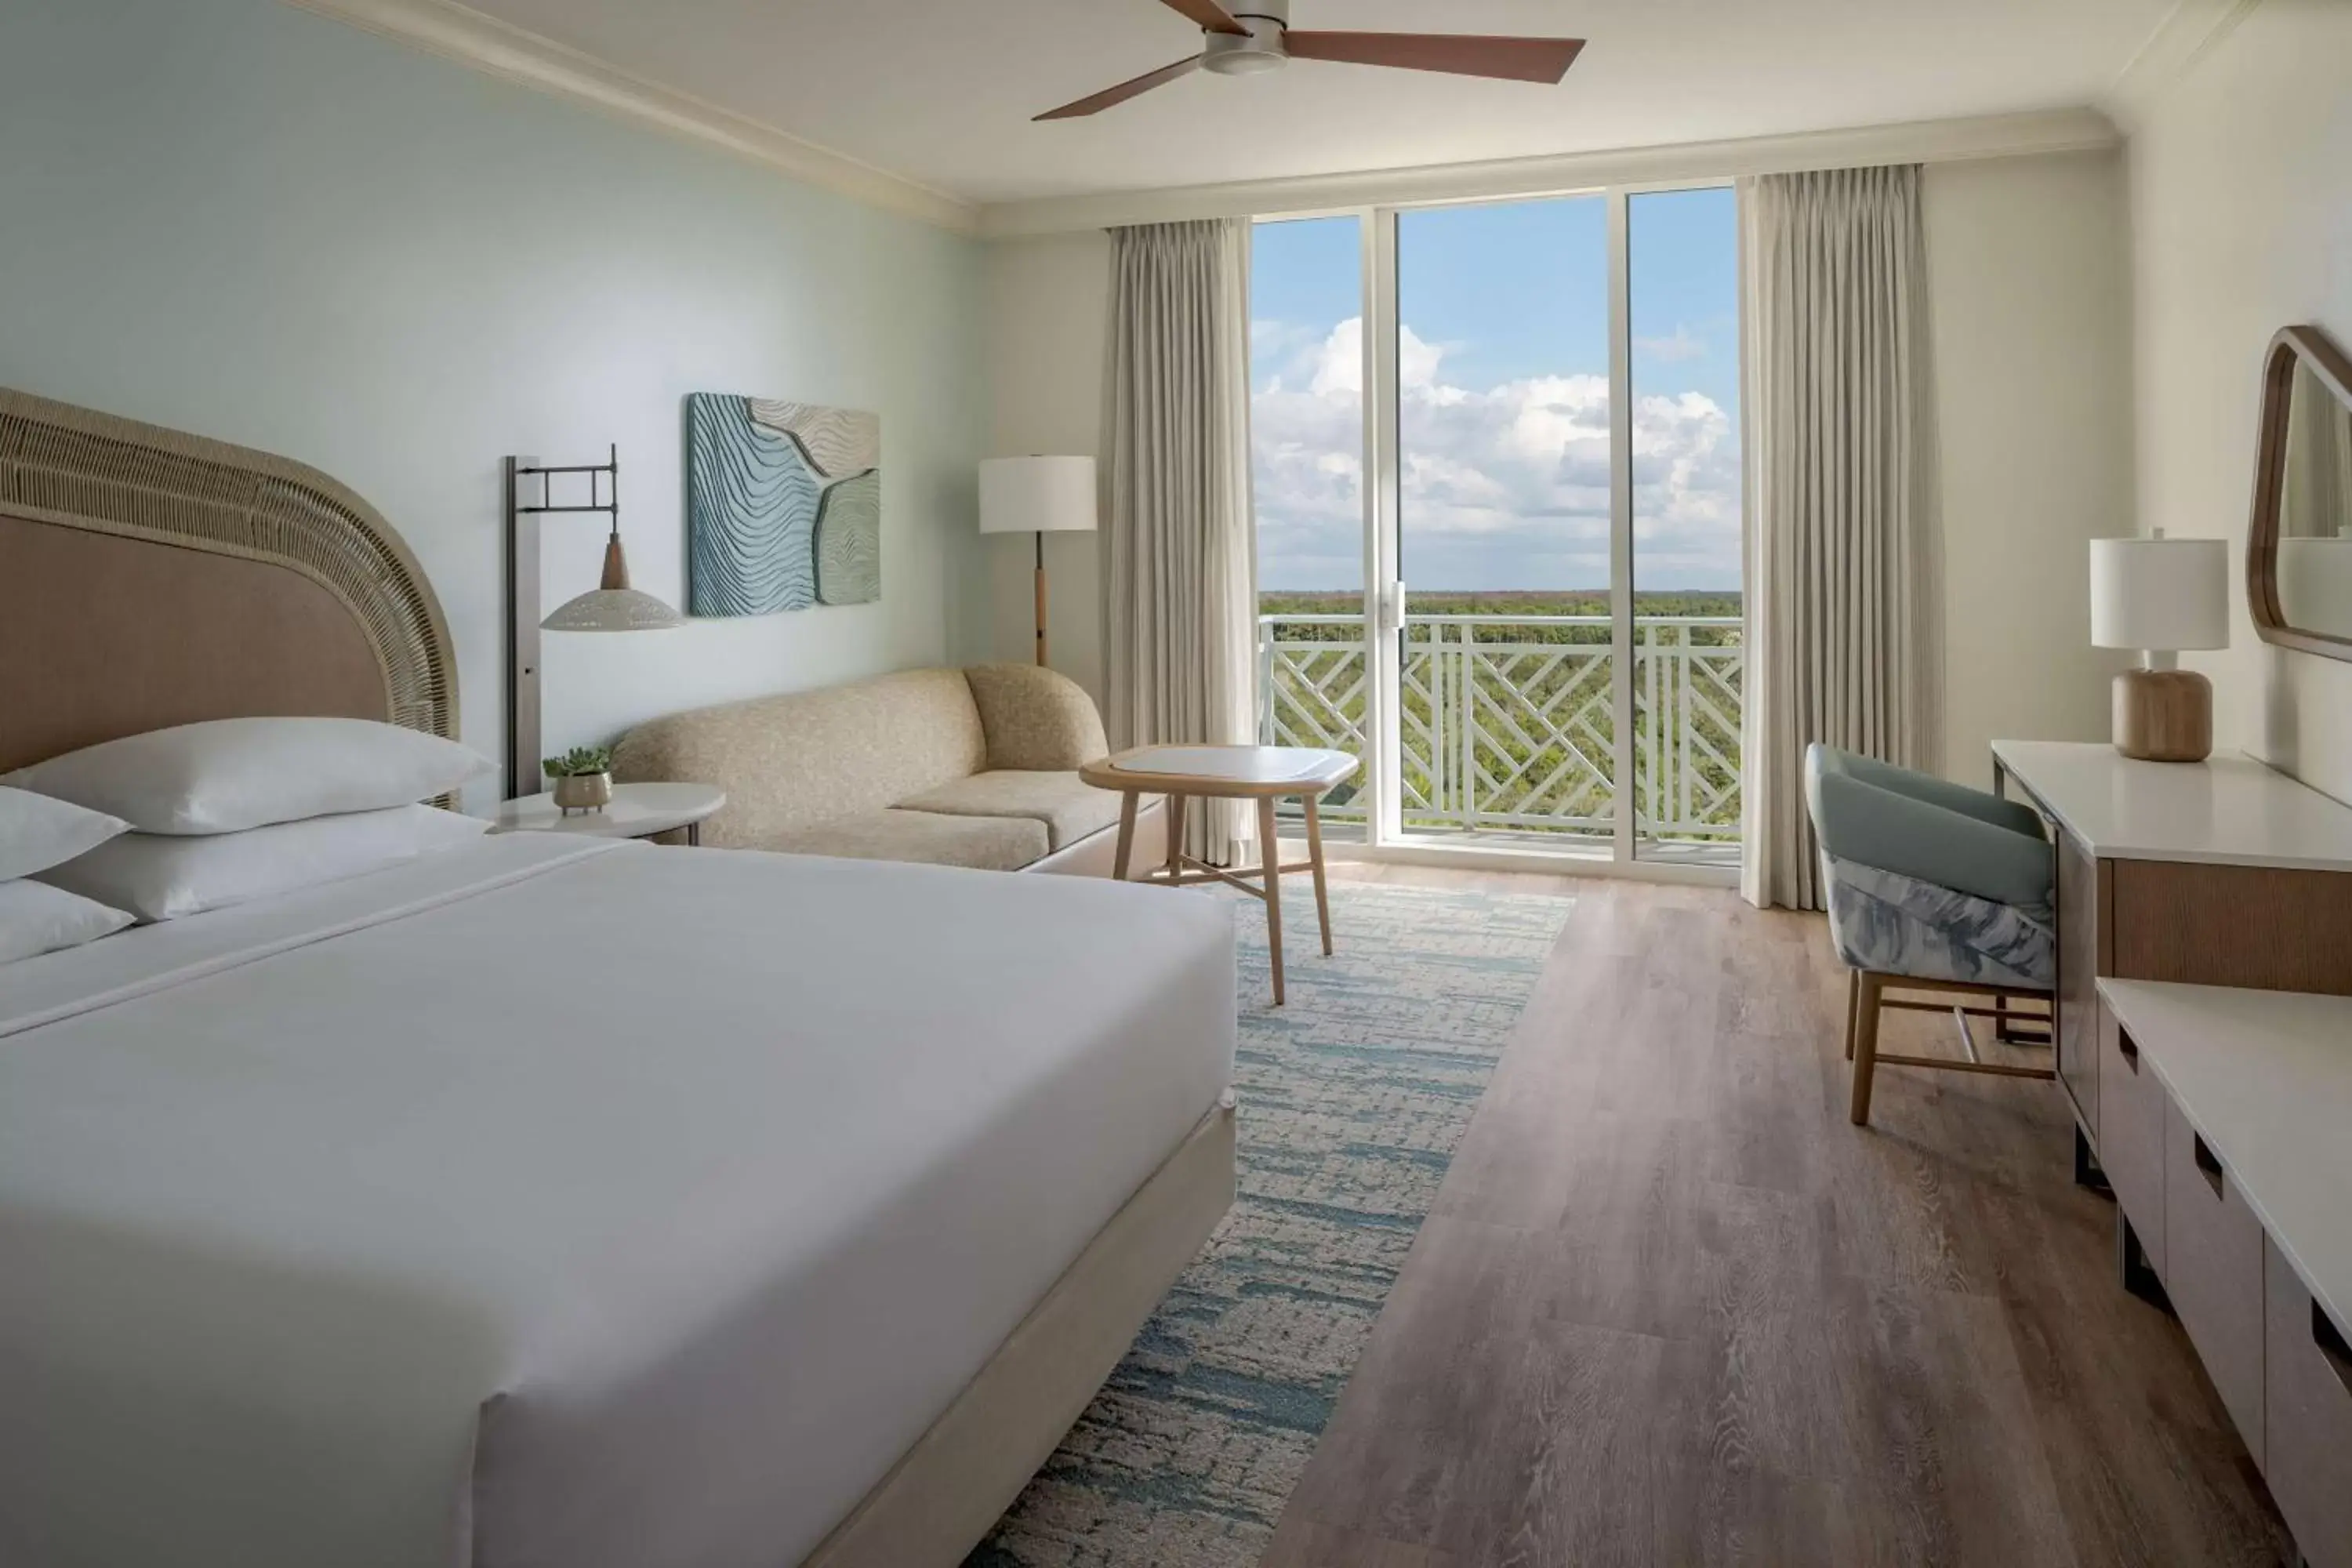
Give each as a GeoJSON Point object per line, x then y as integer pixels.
{"type": "Point", "coordinates": [150, 577]}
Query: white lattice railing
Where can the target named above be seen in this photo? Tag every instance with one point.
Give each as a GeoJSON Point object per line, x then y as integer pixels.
{"type": "Point", "coordinates": [1508, 721]}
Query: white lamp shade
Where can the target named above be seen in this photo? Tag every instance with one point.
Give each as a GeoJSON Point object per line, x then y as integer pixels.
{"type": "Point", "coordinates": [613, 610]}
{"type": "Point", "coordinates": [2163, 595]}
{"type": "Point", "coordinates": [1037, 495]}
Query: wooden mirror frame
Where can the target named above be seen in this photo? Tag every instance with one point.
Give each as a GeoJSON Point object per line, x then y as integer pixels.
{"type": "Point", "coordinates": [2292, 346]}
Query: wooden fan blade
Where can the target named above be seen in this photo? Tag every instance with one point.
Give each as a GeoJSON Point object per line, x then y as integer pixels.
{"type": "Point", "coordinates": [1135, 88]}
{"type": "Point", "coordinates": [1462, 54]}
{"type": "Point", "coordinates": [1207, 14]}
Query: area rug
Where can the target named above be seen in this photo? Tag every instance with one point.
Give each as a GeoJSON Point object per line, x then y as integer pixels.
{"type": "Point", "coordinates": [1353, 1098]}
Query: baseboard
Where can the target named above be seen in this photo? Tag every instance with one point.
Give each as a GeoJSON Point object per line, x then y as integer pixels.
{"type": "Point", "coordinates": [1481, 858]}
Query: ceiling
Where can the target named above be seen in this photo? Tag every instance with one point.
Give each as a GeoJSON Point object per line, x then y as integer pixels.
{"type": "Point", "coordinates": [942, 91]}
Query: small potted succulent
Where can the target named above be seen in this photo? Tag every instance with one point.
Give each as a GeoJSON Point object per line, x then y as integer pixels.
{"type": "Point", "coordinates": [584, 778]}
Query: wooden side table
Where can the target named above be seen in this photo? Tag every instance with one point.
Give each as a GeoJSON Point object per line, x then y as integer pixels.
{"type": "Point", "coordinates": [1263, 773]}
{"type": "Point", "coordinates": [637, 811]}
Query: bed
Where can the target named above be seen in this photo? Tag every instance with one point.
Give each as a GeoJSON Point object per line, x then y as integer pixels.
{"type": "Point", "coordinates": [539, 1202]}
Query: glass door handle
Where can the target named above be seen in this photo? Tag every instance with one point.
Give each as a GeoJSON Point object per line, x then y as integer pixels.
{"type": "Point", "coordinates": [1392, 607]}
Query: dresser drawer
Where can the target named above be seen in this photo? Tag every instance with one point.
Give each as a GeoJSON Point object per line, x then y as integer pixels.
{"type": "Point", "coordinates": [2213, 1271]}
{"type": "Point", "coordinates": [2309, 1412]}
{"type": "Point", "coordinates": [2131, 1136]}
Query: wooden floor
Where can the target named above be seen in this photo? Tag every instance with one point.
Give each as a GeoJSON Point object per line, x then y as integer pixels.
{"type": "Point", "coordinates": [1672, 1306]}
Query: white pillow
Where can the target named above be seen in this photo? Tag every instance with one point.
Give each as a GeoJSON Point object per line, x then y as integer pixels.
{"type": "Point", "coordinates": [35, 918]}
{"type": "Point", "coordinates": [37, 832]}
{"type": "Point", "coordinates": [161, 877]}
{"type": "Point", "coordinates": [229, 774]}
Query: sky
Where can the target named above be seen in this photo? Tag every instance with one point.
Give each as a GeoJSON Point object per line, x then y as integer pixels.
{"type": "Point", "coordinates": [1503, 415]}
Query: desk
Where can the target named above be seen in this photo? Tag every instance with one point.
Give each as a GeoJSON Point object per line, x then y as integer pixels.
{"type": "Point", "coordinates": [2223, 872]}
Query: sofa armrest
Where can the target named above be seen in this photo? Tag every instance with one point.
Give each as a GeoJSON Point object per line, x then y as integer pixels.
{"type": "Point", "coordinates": [1036, 720]}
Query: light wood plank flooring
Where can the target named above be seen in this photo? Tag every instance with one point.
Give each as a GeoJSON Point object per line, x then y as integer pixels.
{"type": "Point", "coordinates": [1671, 1308]}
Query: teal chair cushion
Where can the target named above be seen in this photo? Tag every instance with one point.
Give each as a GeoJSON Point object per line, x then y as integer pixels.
{"type": "Point", "coordinates": [1871, 813]}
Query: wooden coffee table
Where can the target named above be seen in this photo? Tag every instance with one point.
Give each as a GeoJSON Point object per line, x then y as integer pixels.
{"type": "Point", "coordinates": [1263, 773]}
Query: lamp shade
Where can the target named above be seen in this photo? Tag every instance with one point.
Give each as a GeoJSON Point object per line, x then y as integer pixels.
{"type": "Point", "coordinates": [613, 605]}
{"type": "Point", "coordinates": [2161, 594]}
{"type": "Point", "coordinates": [1037, 495]}
{"type": "Point", "coordinates": [613, 610]}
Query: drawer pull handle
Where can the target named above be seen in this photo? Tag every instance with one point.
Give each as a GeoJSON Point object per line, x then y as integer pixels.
{"type": "Point", "coordinates": [2129, 1050]}
{"type": "Point", "coordinates": [2209, 1164]}
{"type": "Point", "coordinates": [2330, 1341]}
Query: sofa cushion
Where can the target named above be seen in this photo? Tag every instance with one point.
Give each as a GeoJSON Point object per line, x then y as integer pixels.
{"type": "Point", "coordinates": [984, 843]}
{"type": "Point", "coordinates": [1068, 808]}
{"type": "Point", "coordinates": [806, 758]}
{"type": "Point", "coordinates": [1036, 720]}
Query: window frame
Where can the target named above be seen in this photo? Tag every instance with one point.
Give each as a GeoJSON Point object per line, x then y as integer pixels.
{"type": "Point", "coordinates": [1381, 457]}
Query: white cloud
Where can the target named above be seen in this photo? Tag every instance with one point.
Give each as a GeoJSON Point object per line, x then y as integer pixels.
{"type": "Point", "coordinates": [1504, 486]}
{"type": "Point", "coordinates": [1339, 360]}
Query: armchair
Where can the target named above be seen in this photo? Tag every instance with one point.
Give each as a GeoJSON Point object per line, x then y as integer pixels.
{"type": "Point", "coordinates": [1933, 887]}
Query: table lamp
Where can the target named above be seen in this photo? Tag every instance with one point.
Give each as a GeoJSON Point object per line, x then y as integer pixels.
{"type": "Point", "coordinates": [1039, 496]}
{"type": "Point", "coordinates": [2161, 596]}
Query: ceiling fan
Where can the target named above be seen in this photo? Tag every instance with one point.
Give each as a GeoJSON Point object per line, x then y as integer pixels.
{"type": "Point", "coordinates": [1261, 39]}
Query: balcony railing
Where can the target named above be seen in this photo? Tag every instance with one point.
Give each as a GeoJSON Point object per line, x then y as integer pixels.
{"type": "Point", "coordinates": [1508, 721]}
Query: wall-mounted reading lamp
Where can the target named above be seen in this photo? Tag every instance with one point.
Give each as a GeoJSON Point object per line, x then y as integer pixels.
{"type": "Point", "coordinates": [612, 606]}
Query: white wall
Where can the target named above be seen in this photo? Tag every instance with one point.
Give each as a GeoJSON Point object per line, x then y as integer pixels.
{"type": "Point", "coordinates": [257, 223]}
{"type": "Point", "coordinates": [2242, 223]}
{"type": "Point", "coordinates": [1048, 309]}
{"type": "Point", "coordinates": [2028, 284]}
{"type": "Point", "coordinates": [2031, 327]}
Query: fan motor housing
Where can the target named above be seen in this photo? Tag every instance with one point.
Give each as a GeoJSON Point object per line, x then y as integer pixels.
{"type": "Point", "coordinates": [1231, 54]}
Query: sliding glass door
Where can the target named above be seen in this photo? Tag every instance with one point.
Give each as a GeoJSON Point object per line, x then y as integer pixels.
{"type": "Point", "coordinates": [1537, 641]}
{"type": "Point", "coordinates": [1502, 441]}
{"type": "Point", "coordinates": [1307, 439]}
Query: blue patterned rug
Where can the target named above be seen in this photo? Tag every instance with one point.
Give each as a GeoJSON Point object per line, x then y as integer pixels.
{"type": "Point", "coordinates": [1352, 1099]}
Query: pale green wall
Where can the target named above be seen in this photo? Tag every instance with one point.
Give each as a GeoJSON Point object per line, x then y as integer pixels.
{"type": "Point", "coordinates": [245, 220]}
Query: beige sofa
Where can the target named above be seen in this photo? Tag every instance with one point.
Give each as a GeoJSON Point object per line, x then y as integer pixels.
{"type": "Point", "coordinates": [957, 767]}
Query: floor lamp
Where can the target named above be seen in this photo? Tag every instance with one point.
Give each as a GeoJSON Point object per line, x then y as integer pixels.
{"type": "Point", "coordinates": [1039, 496]}
{"type": "Point", "coordinates": [612, 606]}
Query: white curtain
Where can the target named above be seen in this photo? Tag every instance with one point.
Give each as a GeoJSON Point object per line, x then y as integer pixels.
{"type": "Point", "coordinates": [1178, 580]}
{"type": "Point", "coordinates": [1845, 634]}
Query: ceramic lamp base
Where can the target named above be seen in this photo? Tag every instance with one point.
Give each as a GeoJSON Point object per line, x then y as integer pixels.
{"type": "Point", "coordinates": [2164, 715]}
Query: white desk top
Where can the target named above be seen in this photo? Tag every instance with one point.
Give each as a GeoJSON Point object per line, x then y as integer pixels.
{"type": "Point", "coordinates": [638, 811]}
{"type": "Point", "coordinates": [2229, 810]}
{"type": "Point", "coordinates": [2265, 1078]}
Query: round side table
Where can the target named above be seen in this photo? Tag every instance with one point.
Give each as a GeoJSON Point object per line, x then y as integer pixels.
{"type": "Point", "coordinates": [637, 811]}
{"type": "Point", "coordinates": [1229, 773]}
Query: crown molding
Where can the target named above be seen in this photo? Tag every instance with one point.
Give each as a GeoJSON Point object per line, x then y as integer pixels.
{"type": "Point", "coordinates": [2188, 33]}
{"type": "Point", "coordinates": [460, 33]}
{"type": "Point", "coordinates": [1921, 141]}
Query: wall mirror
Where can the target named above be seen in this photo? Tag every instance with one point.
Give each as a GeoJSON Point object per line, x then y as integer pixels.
{"type": "Point", "coordinates": [2299, 549]}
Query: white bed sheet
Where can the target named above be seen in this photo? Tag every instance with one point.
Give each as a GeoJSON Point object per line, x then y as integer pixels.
{"type": "Point", "coordinates": [552, 1204]}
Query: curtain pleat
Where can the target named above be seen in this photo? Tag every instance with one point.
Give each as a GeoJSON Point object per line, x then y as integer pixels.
{"type": "Point", "coordinates": [1844, 628]}
{"type": "Point", "coordinates": [1180, 580]}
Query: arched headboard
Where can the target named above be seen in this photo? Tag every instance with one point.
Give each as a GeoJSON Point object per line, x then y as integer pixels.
{"type": "Point", "coordinates": [150, 578]}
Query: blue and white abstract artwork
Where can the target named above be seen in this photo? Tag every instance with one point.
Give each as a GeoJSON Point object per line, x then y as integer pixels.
{"type": "Point", "coordinates": [783, 505]}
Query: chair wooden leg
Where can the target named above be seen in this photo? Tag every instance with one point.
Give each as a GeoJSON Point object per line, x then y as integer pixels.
{"type": "Point", "coordinates": [1866, 1046]}
{"type": "Point", "coordinates": [1852, 1007]}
